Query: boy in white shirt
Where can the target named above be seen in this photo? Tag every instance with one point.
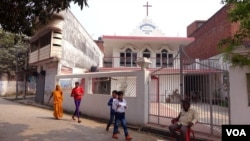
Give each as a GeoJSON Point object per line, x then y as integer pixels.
{"type": "Point", "coordinates": [120, 106]}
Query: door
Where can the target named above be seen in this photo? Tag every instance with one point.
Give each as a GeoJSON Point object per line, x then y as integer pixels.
{"type": "Point", "coordinates": [40, 85]}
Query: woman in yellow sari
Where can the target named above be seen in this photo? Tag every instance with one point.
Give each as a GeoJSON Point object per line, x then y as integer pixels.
{"type": "Point", "coordinates": [57, 95]}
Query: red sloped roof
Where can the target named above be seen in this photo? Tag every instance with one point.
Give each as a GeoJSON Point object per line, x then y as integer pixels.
{"type": "Point", "coordinates": [145, 38]}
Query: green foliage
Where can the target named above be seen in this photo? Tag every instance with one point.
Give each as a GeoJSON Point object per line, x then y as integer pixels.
{"type": "Point", "coordinates": [20, 16]}
{"type": "Point", "coordinates": [240, 13]}
{"type": "Point", "coordinates": [6, 39]}
{"type": "Point", "coordinates": [12, 49]}
{"type": "Point", "coordinates": [240, 60]}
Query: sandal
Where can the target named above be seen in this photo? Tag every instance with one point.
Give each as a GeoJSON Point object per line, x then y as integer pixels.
{"type": "Point", "coordinates": [79, 121]}
{"type": "Point", "coordinates": [73, 118]}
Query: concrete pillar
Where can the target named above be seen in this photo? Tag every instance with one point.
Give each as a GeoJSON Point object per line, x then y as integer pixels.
{"type": "Point", "coordinates": [88, 86]}
{"type": "Point", "coordinates": [142, 96]}
{"type": "Point", "coordinates": [197, 65]}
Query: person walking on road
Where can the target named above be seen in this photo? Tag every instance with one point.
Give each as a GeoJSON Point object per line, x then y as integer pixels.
{"type": "Point", "coordinates": [120, 105]}
{"type": "Point", "coordinates": [77, 93]}
{"type": "Point", "coordinates": [57, 95]}
{"type": "Point", "coordinates": [112, 111]}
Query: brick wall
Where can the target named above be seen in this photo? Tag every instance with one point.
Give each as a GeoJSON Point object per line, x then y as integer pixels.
{"type": "Point", "coordinates": [194, 26]}
{"type": "Point", "coordinates": [209, 34]}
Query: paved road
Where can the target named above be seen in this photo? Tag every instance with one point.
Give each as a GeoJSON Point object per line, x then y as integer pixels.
{"type": "Point", "coordinates": [19, 122]}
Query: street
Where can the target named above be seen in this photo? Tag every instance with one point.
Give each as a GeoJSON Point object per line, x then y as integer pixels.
{"type": "Point", "coordinates": [19, 122]}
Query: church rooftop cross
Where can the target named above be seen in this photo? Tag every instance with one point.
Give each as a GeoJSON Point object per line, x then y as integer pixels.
{"type": "Point", "coordinates": [147, 6]}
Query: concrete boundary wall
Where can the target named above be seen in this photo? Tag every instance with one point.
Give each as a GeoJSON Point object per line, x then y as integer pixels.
{"type": "Point", "coordinates": [240, 110]}
{"type": "Point", "coordinates": [9, 87]}
{"type": "Point", "coordinates": [95, 105]}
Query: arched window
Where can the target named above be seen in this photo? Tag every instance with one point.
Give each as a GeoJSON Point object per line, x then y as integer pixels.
{"type": "Point", "coordinates": [128, 58]}
{"type": "Point", "coordinates": [146, 53]}
{"type": "Point", "coordinates": [164, 59]}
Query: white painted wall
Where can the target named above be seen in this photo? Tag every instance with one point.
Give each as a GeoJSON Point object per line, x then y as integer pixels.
{"type": "Point", "coordinates": [3, 87]}
{"type": "Point", "coordinates": [151, 30]}
{"type": "Point", "coordinates": [116, 55]}
{"type": "Point", "coordinates": [139, 48]}
{"type": "Point", "coordinates": [9, 87]}
{"type": "Point", "coordinates": [95, 105]}
{"type": "Point", "coordinates": [51, 71]}
{"type": "Point", "coordinates": [79, 49]}
{"type": "Point", "coordinates": [240, 111]}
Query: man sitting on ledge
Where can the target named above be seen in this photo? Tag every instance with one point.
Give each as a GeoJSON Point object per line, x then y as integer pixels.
{"type": "Point", "coordinates": [186, 118]}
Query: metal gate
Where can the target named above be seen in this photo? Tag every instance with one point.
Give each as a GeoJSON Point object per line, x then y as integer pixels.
{"type": "Point", "coordinates": [203, 82]}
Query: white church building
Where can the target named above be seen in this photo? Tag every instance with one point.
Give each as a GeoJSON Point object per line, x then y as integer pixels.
{"type": "Point", "coordinates": [121, 53]}
{"type": "Point", "coordinates": [147, 40]}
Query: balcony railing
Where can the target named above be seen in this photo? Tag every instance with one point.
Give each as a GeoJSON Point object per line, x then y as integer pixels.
{"type": "Point", "coordinates": [44, 53]}
{"type": "Point", "coordinates": [113, 62]}
{"type": "Point", "coordinates": [110, 62]}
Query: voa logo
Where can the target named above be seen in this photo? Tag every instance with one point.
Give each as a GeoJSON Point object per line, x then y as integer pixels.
{"type": "Point", "coordinates": [236, 132]}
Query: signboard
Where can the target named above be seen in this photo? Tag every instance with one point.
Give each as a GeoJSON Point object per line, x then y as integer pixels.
{"type": "Point", "coordinates": [147, 28]}
{"type": "Point", "coordinates": [66, 70]}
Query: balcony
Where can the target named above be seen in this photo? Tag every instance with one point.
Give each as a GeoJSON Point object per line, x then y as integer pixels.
{"type": "Point", "coordinates": [46, 47]}
{"type": "Point", "coordinates": [45, 53]}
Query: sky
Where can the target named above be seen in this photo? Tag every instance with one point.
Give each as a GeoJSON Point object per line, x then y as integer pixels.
{"type": "Point", "coordinates": [120, 17]}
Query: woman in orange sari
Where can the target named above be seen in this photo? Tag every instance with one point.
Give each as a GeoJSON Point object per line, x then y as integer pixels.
{"type": "Point", "coordinates": [57, 95]}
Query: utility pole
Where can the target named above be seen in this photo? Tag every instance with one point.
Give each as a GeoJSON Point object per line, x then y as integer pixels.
{"type": "Point", "coordinates": [25, 74]}
{"type": "Point", "coordinates": [16, 73]}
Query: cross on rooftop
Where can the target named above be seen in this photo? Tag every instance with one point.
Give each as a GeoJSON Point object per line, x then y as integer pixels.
{"type": "Point", "coordinates": [147, 6]}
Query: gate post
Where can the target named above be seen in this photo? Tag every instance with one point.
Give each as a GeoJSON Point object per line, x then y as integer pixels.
{"type": "Point", "coordinates": [142, 93]}
{"type": "Point", "coordinates": [142, 96]}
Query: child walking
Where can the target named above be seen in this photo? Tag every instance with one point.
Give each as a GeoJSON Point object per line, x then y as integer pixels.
{"type": "Point", "coordinates": [120, 105]}
{"type": "Point", "coordinates": [112, 111]}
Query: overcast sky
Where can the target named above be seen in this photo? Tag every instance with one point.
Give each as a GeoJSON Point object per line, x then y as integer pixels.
{"type": "Point", "coordinates": [120, 17]}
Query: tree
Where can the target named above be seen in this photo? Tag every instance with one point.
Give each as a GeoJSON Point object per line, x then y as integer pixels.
{"type": "Point", "coordinates": [11, 53]}
{"type": "Point", "coordinates": [20, 16]}
{"type": "Point", "coordinates": [240, 13]}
